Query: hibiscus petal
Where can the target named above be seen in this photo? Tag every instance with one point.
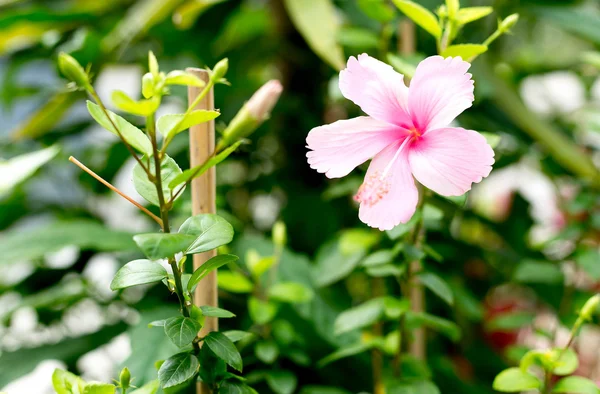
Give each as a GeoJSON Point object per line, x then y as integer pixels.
{"type": "Point", "coordinates": [376, 88]}
{"type": "Point", "coordinates": [440, 91]}
{"type": "Point", "coordinates": [337, 148]}
{"type": "Point", "coordinates": [388, 195]}
{"type": "Point", "coordinates": [448, 161]}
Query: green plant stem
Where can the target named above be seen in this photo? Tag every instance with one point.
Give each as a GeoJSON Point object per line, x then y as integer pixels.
{"type": "Point", "coordinates": [129, 147]}
{"type": "Point", "coordinates": [547, 381]}
{"type": "Point", "coordinates": [190, 108]}
{"type": "Point", "coordinates": [164, 213]}
{"type": "Point", "coordinates": [187, 183]}
{"type": "Point", "coordinates": [446, 38]}
{"type": "Point", "coordinates": [377, 290]}
{"type": "Point", "coordinates": [492, 37]}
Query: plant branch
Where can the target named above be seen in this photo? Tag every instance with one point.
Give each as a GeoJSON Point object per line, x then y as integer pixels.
{"type": "Point", "coordinates": [164, 212]}
{"type": "Point", "coordinates": [194, 174]}
{"type": "Point", "coordinates": [190, 108]}
{"type": "Point", "coordinates": [129, 147]}
{"type": "Point", "coordinates": [113, 188]}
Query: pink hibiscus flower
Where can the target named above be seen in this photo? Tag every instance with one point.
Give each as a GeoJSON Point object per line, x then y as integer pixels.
{"type": "Point", "coordinates": [406, 135]}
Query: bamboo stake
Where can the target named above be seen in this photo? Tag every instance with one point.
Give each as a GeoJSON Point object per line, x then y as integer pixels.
{"type": "Point", "coordinates": [202, 146]}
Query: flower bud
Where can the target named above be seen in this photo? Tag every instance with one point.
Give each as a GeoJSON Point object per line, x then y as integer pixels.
{"type": "Point", "coordinates": [590, 307]}
{"type": "Point", "coordinates": [508, 23]}
{"type": "Point", "coordinates": [220, 69]}
{"type": "Point", "coordinates": [262, 102]}
{"type": "Point", "coordinates": [125, 379]}
{"type": "Point", "coordinates": [71, 69]}
{"type": "Point", "coordinates": [252, 114]}
{"type": "Point", "coordinates": [279, 234]}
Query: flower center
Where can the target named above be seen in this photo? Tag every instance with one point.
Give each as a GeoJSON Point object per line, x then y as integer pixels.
{"type": "Point", "coordinates": [414, 133]}
{"type": "Point", "coordinates": [373, 189]}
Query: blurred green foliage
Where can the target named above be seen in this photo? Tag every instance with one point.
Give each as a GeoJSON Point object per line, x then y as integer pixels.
{"type": "Point", "coordinates": [486, 279]}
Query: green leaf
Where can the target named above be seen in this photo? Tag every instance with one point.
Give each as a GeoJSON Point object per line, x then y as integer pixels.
{"type": "Point", "coordinates": [566, 364]}
{"type": "Point", "coordinates": [346, 351]}
{"type": "Point", "coordinates": [213, 311]}
{"type": "Point", "coordinates": [395, 307]}
{"type": "Point", "coordinates": [530, 271]}
{"type": "Point", "coordinates": [233, 387]}
{"type": "Point", "coordinates": [224, 349]}
{"type": "Point", "coordinates": [383, 270]}
{"type": "Point", "coordinates": [169, 170]}
{"type": "Point", "coordinates": [261, 312]}
{"type": "Point", "coordinates": [357, 37]}
{"type": "Point", "coordinates": [471, 14]}
{"type": "Point", "coordinates": [492, 139]}
{"type": "Point", "coordinates": [576, 385]}
{"type": "Point", "coordinates": [403, 228]}
{"type": "Point", "coordinates": [211, 231]}
{"type": "Point", "coordinates": [588, 260]}
{"type": "Point", "coordinates": [209, 266]}
{"type": "Point", "coordinates": [421, 16]}
{"type": "Point", "coordinates": [237, 335]}
{"type": "Point", "coordinates": [148, 388]}
{"type": "Point", "coordinates": [234, 282]}
{"type": "Point", "coordinates": [19, 168]}
{"type": "Point", "coordinates": [380, 257]}
{"type": "Point", "coordinates": [284, 333]}
{"type": "Point", "coordinates": [142, 107]}
{"type": "Point", "coordinates": [178, 77]}
{"type": "Point", "coordinates": [85, 234]}
{"type": "Point", "coordinates": [357, 240]}
{"type": "Point", "coordinates": [322, 390]}
{"type": "Point", "coordinates": [65, 382]}
{"type": "Point", "coordinates": [138, 272]}
{"type": "Point", "coordinates": [452, 6]}
{"type": "Point", "coordinates": [171, 125]}
{"type": "Point", "coordinates": [438, 286]}
{"type": "Point", "coordinates": [134, 136]}
{"type": "Point", "coordinates": [317, 21]}
{"type": "Point", "coordinates": [376, 9]}
{"type": "Point", "coordinates": [359, 316]}
{"type": "Point", "coordinates": [182, 330]}
{"type": "Point", "coordinates": [291, 292]}
{"type": "Point", "coordinates": [178, 369]}
{"type": "Point", "coordinates": [282, 381]}
{"type": "Point", "coordinates": [99, 388]}
{"type": "Point", "coordinates": [266, 351]}
{"type": "Point", "coordinates": [338, 258]}
{"type": "Point", "coordinates": [514, 380]}
{"type": "Point", "coordinates": [195, 172]}
{"type": "Point", "coordinates": [258, 266]}
{"type": "Point", "coordinates": [510, 321]}
{"type": "Point", "coordinates": [443, 326]}
{"type": "Point", "coordinates": [413, 387]}
{"type": "Point", "coordinates": [573, 19]}
{"type": "Point", "coordinates": [465, 51]}
{"type": "Point", "coordinates": [157, 323]}
{"type": "Point", "coordinates": [188, 12]}
{"type": "Point", "coordinates": [162, 245]}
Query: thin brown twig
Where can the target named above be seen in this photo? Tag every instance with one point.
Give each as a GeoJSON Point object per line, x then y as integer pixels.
{"type": "Point", "coordinates": [114, 189]}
